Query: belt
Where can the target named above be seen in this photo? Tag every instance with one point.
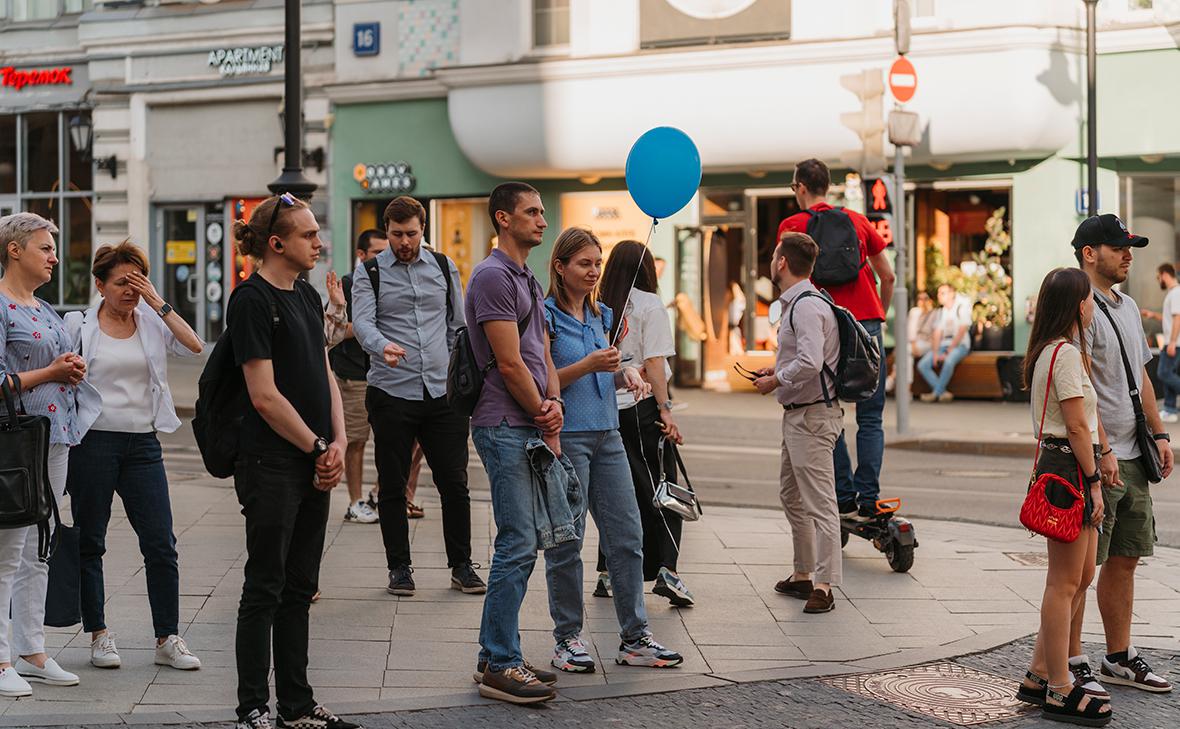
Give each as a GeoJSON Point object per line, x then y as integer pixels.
{"type": "Point", "coordinates": [797, 405]}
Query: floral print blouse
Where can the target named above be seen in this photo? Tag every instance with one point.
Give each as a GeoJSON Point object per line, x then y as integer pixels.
{"type": "Point", "coordinates": [31, 337]}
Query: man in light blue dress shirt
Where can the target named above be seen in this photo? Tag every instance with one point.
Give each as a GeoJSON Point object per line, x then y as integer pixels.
{"type": "Point", "coordinates": [408, 330]}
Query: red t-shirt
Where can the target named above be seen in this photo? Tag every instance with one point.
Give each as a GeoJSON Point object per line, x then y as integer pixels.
{"type": "Point", "coordinates": [860, 296]}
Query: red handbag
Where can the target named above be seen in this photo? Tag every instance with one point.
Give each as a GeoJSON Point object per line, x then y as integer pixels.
{"type": "Point", "coordinates": [1039, 514]}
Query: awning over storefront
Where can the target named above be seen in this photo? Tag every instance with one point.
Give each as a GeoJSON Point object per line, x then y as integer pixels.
{"type": "Point", "coordinates": [996, 94]}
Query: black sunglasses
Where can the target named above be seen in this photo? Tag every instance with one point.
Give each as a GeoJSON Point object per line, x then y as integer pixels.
{"type": "Point", "coordinates": [286, 198]}
{"type": "Point", "coordinates": [747, 374]}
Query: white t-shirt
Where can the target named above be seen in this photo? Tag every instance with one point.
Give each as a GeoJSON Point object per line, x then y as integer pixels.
{"type": "Point", "coordinates": [1069, 381]}
{"type": "Point", "coordinates": [1171, 309]}
{"type": "Point", "coordinates": [119, 369]}
{"type": "Point", "coordinates": [649, 334]}
{"type": "Point", "coordinates": [949, 319]}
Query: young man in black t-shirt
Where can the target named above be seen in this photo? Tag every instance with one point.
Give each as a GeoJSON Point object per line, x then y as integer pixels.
{"type": "Point", "coordinates": [291, 456]}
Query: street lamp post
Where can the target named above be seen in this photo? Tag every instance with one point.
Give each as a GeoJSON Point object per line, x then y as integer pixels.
{"type": "Point", "coordinates": [1091, 111]}
{"type": "Point", "coordinates": [292, 179]}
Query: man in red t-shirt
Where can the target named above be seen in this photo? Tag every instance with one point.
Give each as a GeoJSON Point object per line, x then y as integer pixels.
{"type": "Point", "coordinates": [857, 492]}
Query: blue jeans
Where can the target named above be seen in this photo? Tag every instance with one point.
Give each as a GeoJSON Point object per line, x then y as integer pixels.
{"type": "Point", "coordinates": [600, 460]}
{"type": "Point", "coordinates": [515, 550]}
{"type": "Point", "coordinates": [938, 381]}
{"type": "Point", "coordinates": [131, 465]}
{"type": "Point", "coordinates": [1169, 378]}
{"type": "Point", "coordinates": [864, 485]}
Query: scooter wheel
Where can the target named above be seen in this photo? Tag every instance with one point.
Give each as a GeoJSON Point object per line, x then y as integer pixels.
{"type": "Point", "coordinates": [900, 556]}
{"type": "Point", "coordinates": [843, 539]}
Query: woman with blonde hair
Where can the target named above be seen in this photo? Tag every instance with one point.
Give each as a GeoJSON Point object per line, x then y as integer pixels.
{"type": "Point", "coordinates": [125, 340]}
{"type": "Point", "coordinates": [590, 370]}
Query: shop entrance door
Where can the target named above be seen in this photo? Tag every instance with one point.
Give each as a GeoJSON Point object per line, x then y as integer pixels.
{"type": "Point", "coordinates": [180, 244]}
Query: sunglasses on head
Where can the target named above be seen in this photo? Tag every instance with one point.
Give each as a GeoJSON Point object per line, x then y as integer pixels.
{"type": "Point", "coordinates": [287, 199]}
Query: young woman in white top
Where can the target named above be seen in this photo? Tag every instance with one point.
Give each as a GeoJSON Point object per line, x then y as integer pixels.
{"type": "Point", "coordinates": [1070, 448]}
{"type": "Point", "coordinates": [647, 343]}
{"type": "Point", "coordinates": [125, 340]}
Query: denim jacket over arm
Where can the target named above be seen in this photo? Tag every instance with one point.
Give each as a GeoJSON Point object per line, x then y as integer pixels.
{"type": "Point", "coordinates": [557, 496]}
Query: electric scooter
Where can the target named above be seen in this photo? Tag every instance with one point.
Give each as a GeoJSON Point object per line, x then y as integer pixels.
{"type": "Point", "coordinates": [893, 535]}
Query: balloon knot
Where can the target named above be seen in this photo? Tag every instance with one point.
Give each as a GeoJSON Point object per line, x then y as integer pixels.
{"type": "Point", "coordinates": [655, 221]}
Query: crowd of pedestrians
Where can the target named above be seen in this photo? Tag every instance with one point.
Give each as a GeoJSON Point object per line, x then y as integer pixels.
{"type": "Point", "coordinates": [573, 415]}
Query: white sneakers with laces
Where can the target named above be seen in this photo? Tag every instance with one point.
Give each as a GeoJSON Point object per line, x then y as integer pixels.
{"type": "Point", "coordinates": [361, 513]}
{"type": "Point", "coordinates": [103, 653]}
{"type": "Point", "coordinates": [173, 652]}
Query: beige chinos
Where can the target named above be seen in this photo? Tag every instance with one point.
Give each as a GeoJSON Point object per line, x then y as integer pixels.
{"type": "Point", "coordinates": [807, 489]}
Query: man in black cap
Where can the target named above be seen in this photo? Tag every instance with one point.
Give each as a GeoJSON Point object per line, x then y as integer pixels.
{"type": "Point", "coordinates": [1103, 247]}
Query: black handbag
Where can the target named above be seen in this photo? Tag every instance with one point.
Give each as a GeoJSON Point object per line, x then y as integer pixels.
{"type": "Point", "coordinates": [1149, 454]}
{"type": "Point", "coordinates": [63, 598]}
{"type": "Point", "coordinates": [26, 496]}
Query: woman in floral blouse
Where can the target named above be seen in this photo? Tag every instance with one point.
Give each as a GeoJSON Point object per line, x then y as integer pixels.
{"type": "Point", "coordinates": [35, 347]}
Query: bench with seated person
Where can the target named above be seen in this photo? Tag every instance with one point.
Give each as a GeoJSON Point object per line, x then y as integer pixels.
{"type": "Point", "coordinates": [949, 344]}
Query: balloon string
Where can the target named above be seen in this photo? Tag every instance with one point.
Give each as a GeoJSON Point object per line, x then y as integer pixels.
{"type": "Point", "coordinates": [647, 249]}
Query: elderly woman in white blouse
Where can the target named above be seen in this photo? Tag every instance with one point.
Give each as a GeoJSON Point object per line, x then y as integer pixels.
{"type": "Point", "coordinates": [125, 340]}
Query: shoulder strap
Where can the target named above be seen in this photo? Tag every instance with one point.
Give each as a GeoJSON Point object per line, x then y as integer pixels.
{"type": "Point", "coordinates": [445, 264]}
{"type": "Point", "coordinates": [680, 467]}
{"type": "Point", "coordinates": [1045, 405]}
{"type": "Point", "coordinates": [374, 275]}
{"type": "Point", "coordinates": [1136, 403]}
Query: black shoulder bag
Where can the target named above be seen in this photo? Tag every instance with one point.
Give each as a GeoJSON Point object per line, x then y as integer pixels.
{"type": "Point", "coordinates": [26, 495]}
{"type": "Point", "coordinates": [1149, 454]}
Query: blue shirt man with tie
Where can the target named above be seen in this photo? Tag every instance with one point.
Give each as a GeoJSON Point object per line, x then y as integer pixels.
{"type": "Point", "coordinates": [408, 329]}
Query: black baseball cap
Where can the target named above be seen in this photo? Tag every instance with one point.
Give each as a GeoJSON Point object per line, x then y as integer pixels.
{"type": "Point", "coordinates": [1106, 229]}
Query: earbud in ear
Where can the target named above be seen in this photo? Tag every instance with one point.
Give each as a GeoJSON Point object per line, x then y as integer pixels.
{"type": "Point", "coordinates": [278, 245]}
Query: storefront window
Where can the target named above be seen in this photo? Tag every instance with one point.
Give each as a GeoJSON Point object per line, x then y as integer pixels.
{"type": "Point", "coordinates": [1151, 208]}
{"type": "Point", "coordinates": [41, 152]}
{"type": "Point", "coordinates": [551, 23]}
{"type": "Point", "coordinates": [36, 140]}
{"type": "Point", "coordinates": [35, 9]}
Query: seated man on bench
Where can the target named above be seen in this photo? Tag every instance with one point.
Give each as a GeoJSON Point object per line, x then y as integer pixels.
{"type": "Point", "coordinates": [949, 344]}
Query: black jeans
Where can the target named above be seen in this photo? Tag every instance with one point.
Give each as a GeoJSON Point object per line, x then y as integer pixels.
{"type": "Point", "coordinates": [442, 433]}
{"type": "Point", "coordinates": [286, 518]}
{"type": "Point", "coordinates": [640, 427]}
{"type": "Point", "coordinates": [106, 463]}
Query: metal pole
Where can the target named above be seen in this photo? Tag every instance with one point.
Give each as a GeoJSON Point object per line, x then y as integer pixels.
{"type": "Point", "coordinates": [292, 179]}
{"type": "Point", "coordinates": [1091, 111]}
{"type": "Point", "coordinates": [901, 305]}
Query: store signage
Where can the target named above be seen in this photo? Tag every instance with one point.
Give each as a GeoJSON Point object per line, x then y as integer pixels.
{"type": "Point", "coordinates": [1081, 201]}
{"type": "Point", "coordinates": [245, 61]}
{"type": "Point", "coordinates": [180, 252]}
{"type": "Point", "coordinates": [366, 39]}
{"type": "Point", "coordinates": [9, 76]}
{"type": "Point", "coordinates": [385, 177]}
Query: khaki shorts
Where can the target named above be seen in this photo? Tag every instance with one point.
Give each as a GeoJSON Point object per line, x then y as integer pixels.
{"type": "Point", "coordinates": [1129, 527]}
{"type": "Point", "coordinates": [356, 415]}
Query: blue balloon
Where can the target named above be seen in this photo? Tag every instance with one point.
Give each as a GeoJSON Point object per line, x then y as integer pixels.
{"type": "Point", "coordinates": [663, 171]}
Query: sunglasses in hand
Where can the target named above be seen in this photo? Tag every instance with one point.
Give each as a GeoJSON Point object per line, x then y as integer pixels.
{"type": "Point", "coordinates": [745, 373]}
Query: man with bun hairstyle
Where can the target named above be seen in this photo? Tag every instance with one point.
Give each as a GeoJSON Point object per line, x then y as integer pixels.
{"type": "Point", "coordinates": [291, 456]}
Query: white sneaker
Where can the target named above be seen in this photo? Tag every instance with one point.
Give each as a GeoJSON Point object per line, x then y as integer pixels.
{"type": "Point", "coordinates": [52, 674]}
{"type": "Point", "coordinates": [12, 685]}
{"type": "Point", "coordinates": [361, 513]}
{"type": "Point", "coordinates": [103, 653]}
{"type": "Point", "coordinates": [176, 654]}
{"type": "Point", "coordinates": [1170, 417]}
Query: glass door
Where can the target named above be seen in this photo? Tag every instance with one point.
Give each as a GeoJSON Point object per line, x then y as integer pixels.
{"type": "Point", "coordinates": [180, 244]}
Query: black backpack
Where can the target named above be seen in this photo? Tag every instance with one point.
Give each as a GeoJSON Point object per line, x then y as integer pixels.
{"type": "Point", "coordinates": [464, 375]}
{"type": "Point", "coordinates": [223, 401]}
{"type": "Point", "coordinates": [26, 494]}
{"type": "Point", "coordinates": [839, 260]}
{"type": "Point", "coordinates": [858, 370]}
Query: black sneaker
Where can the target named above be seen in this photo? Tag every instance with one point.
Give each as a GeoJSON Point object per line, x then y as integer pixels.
{"type": "Point", "coordinates": [549, 678]}
{"type": "Point", "coordinates": [847, 511]}
{"type": "Point", "coordinates": [465, 580]}
{"type": "Point", "coordinates": [256, 719]}
{"type": "Point", "coordinates": [866, 512]}
{"type": "Point", "coordinates": [317, 718]}
{"type": "Point", "coordinates": [401, 582]}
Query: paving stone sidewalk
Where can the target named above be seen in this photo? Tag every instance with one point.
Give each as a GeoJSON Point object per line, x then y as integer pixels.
{"type": "Point", "coordinates": [971, 588]}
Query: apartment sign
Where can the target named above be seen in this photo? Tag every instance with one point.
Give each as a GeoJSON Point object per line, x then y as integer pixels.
{"type": "Point", "coordinates": [244, 61]}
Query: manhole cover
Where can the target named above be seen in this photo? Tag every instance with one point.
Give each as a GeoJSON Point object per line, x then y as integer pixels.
{"type": "Point", "coordinates": [1029, 559]}
{"type": "Point", "coordinates": [969, 473]}
{"type": "Point", "coordinates": [945, 691]}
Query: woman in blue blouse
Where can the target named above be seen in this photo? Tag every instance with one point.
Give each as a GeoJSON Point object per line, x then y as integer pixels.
{"type": "Point", "coordinates": [589, 371]}
{"type": "Point", "coordinates": [35, 347]}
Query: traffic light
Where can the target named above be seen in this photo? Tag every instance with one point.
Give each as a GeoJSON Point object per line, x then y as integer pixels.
{"type": "Point", "coordinates": [868, 123]}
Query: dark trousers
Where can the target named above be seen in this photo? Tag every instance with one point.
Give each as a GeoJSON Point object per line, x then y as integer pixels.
{"type": "Point", "coordinates": [106, 463]}
{"type": "Point", "coordinates": [639, 426]}
{"type": "Point", "coordinates": [286, 518]}
{"type": "Point", "coordinates": [442, 433]}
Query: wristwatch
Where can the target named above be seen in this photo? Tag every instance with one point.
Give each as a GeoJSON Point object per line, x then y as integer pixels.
{"type": "Point", "coordinates": [319, 447]}
{"type": "Point", "coordinates": [559, 401]}
{"type": "Point", "coordinates": [1097, 477]}
{"type": "Point", "coordinates": [666, 405]}
{"type": "Point", "coordinates": [165, 310]}
{"type": "Point", "coordinates": [1163, 436]}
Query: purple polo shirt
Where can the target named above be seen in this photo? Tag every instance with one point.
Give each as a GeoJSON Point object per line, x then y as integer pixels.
{"type": "Point", "coordinates": [500, 290]}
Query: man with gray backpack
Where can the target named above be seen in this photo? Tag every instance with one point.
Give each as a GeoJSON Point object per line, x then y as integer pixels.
{"type": "Point", "coordinates": [850, 262]}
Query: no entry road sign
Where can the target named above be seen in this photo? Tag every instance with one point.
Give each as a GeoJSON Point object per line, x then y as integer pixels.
{"type": "Point", "coordinates": [903, 80]}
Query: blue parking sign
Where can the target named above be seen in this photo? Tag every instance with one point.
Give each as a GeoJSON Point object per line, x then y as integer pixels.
{"type": "Point", "coordinates": [366, 39]}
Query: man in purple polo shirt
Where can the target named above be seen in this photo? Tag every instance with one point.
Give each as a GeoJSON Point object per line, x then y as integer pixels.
{"type": "Point", "coordinates": [520, 400]}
